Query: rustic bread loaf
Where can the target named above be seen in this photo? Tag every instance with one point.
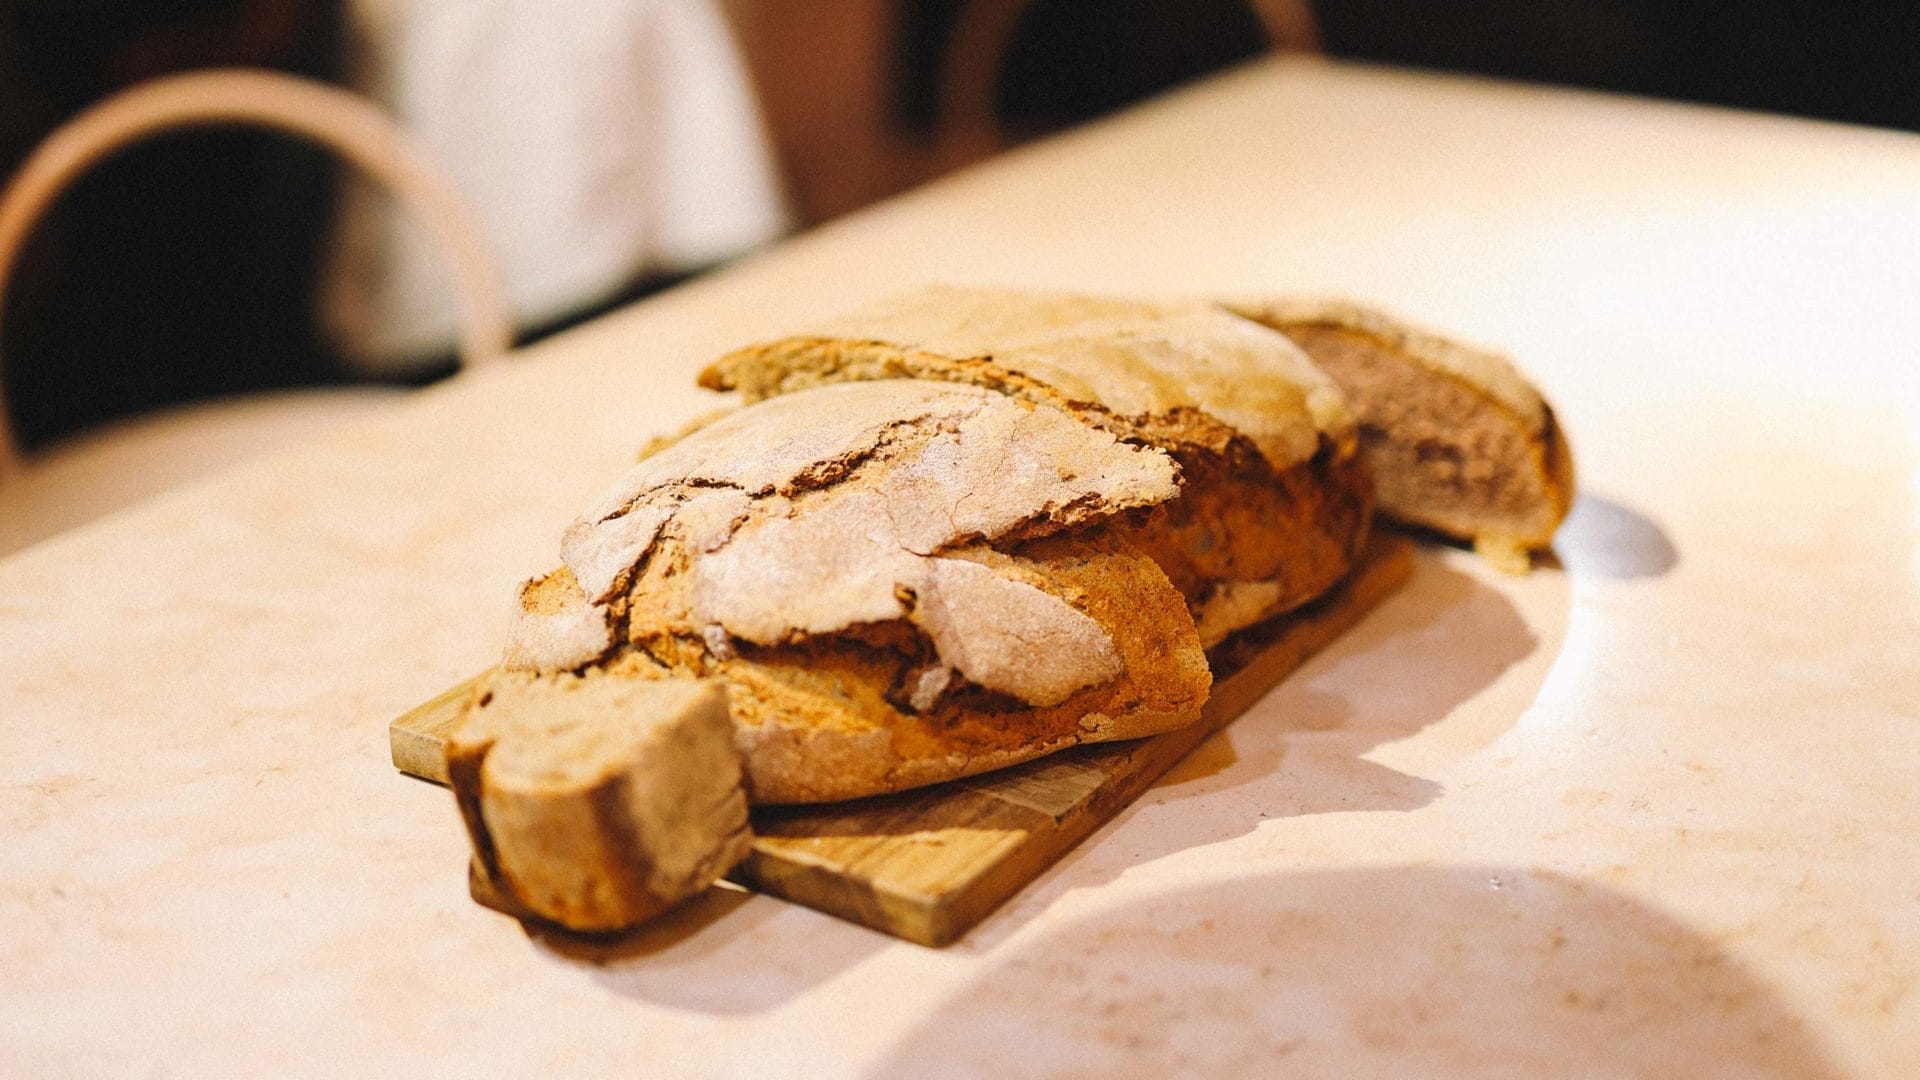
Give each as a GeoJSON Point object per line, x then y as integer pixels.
{"type": "Point", "coordinates": [901, 582]}
{"type": "Point", "coordinates": [597, 802]}
{"type": "Point", "coordinates": [1275, 502]}
{"type": "Point", "coordinates": [1458, 441]}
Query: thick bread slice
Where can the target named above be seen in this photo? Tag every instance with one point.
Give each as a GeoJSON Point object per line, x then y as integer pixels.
{"type": "Point", "coordinates": [1458, 440]}
{"type": "Point", "coordinates": [1275, 503]}
{"type": "Point", "coordinates": [901, 581]}
{"type": "Point", "coordinates": [597, 802]}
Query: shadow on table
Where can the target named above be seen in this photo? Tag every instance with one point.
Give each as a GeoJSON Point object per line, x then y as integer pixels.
{"type": "Point", "coordinates": [1441, 640]}
{"type": "Point", "coordinates": [724, 952]}
{"type": "Point", "coordinates": [1604, 539]}
{"type": "Point", "coordinates": [1435, 644]}
{"type": "Point", "coordinates": [1432, 647]}
{"type": "Point", "coordinates": [1402, 971]}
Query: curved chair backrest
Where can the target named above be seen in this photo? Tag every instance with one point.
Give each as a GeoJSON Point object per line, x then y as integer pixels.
{"type": "Point", "coordinates": [336, 119]}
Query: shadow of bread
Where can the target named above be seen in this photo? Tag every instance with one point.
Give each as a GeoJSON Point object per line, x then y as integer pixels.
{"type": "Point", "coordinates": [1414, 670]}
{"type": "Point", "coordinates": [725, 952]}
{"type": "Point", "coordinates": [1391, 677]}
{"type": "Point", "coordinates": [1442, 640]}
{"type": "Point", "coordinates": [1395, 971]}
{"type": "Point", "coordinates": [1604, 539]}
{"type": "Point", "coordinates": [677, 926]}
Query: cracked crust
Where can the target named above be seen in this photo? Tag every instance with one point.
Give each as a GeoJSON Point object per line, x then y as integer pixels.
{"type": "Point", "coordinates": [1459, 442]}
{"type": "Point", "coordinates": [1003, 465]}
{"type": "Point", "coordinates": [832, 718]}
{"type": "Point", "coordinates": [1273, 491]}
{"type": "Point", "coordinates": [901, 582]}
{"type": "Point", "coordinates": [1149, 370]}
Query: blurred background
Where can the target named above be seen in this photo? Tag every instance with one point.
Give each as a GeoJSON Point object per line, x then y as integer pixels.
{"type": "Point", "coordinates": [612, 147]}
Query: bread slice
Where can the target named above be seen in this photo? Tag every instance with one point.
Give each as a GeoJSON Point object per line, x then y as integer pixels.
{"type": "Point", "coordinates": [901, 582]}
{"type": "Point", "coordinates": [1458, 441]}
{"type": "Point", "coordinates": [1275, 502]}
{"type": "Point", "coordinates": [597, 802]}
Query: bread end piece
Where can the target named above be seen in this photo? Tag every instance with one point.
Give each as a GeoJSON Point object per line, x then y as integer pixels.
{"type": "Point", "coordinates": [1458, 440]}
{"type": "Point", "coordinates": [596, 803]}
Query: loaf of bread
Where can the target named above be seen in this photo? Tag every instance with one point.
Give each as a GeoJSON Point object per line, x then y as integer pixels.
{"type": "Point", "coordinates": [1458, 441]}
{"type": "Point", "coordinates": [1274, 502]}
{"type": "Point", "coordinates": [900, 582]}
{"type": "Point", "coordinates": [952, 532]}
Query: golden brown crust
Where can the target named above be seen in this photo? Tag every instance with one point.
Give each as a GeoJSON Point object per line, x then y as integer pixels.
{"type": "Point", "coordinates": [882, 573]}
{"type": "Point", "coordinates": [1286, 537]}
{"type": "Point", "coordinates": [1561, 485]}
{"type": "Point", "coordinates": [555, 628]}
{"type": "Point", "coordinates": [830, 717]}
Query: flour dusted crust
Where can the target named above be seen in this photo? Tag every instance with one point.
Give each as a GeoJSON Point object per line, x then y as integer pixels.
{"type": "Point", "coordinates": [991, 467]}
{"type": "Point", "coordinates": [831, 717]}
{"type": "Point", "coordinates": [1275, 501]}
{"type": "Point", "coordinates": [901, 582]}
{"type": "Point", "coordinates": [1458, 440]}
{"type": "Point", "coordinates": [1154, 365]}
{"type": "Point", "coordinates": [1492, 374]}
{"type": "Point", "coordinates": [554, 628]}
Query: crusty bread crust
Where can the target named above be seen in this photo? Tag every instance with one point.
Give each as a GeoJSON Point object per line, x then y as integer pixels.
{"type": "Point", "coordinates": [829, 717]}
{"type": "Point", "coordinates": [1274, 503]}
{"type": "Point", "coordinates": [901, 582]}
{"type": "Point", "coordinates": [825, 721]}
{"type": "Point", "coordinates": [1244, 548]}
{"type": "Point", "coordinates": [1130, 360]}
{"type": "Point", "coordinates": [1488, 372]}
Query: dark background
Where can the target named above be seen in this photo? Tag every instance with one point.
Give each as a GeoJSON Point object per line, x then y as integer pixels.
{"type": "Point", "coordinates": [1851, 60]}
{"type": "Point", "coordinates": [185, 268]}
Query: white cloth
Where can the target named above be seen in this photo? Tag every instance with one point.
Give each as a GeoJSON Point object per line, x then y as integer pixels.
{"type": "Point", "coordinates": [595, 140]}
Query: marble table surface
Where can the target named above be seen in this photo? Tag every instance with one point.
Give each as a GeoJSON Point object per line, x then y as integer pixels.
{"type": "Point", "coordinates": [1652, 811]}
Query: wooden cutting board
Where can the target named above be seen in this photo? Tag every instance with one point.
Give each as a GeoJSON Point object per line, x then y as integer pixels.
{"type": "Point", "coordinates": [927, 865]}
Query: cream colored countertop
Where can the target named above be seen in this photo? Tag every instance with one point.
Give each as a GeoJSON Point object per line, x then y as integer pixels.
{"type": "Point", "coordinates": [1656, 814]}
